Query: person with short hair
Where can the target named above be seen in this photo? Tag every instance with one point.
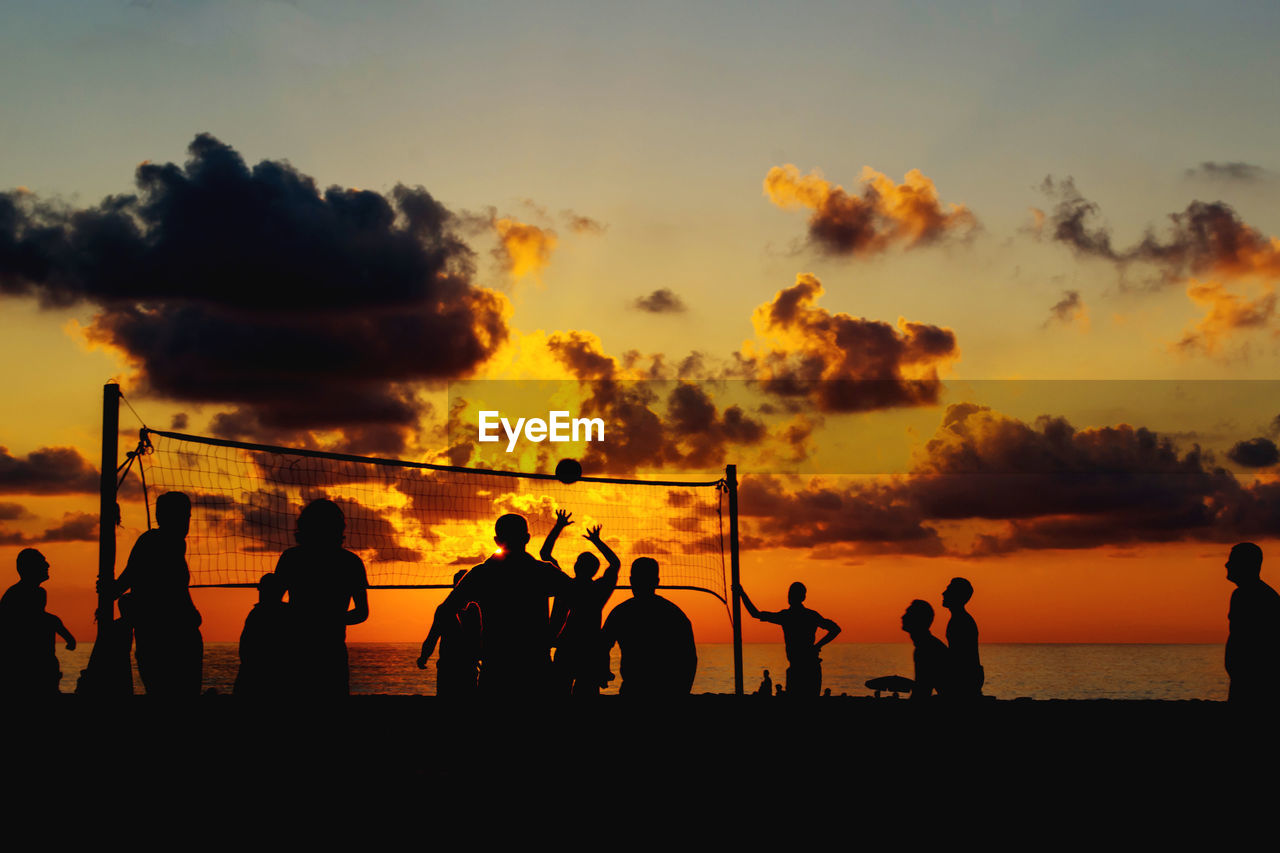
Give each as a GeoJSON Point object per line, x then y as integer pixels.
{"type": "Point", "coordinates": [1253, 644]}
{"type": "Point", "coordinates": [511, 589]}
{"type": "Point", "coordinates": [27, 632]}
{"type": "Point", "coordinates": [659, 656]}
{"type": "Point", "coordinates": [155, 598]}
{"type": "Point", "coordinates": [967, 675]}
{"type": "Point", "coordinates": [264, 642]}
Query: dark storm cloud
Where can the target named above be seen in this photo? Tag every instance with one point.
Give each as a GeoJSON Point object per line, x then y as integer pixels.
{"type": "Point", "coordinates": [1050, 484]}
{"type": "Point", "coordinates": [47, 471]}
{"type": "Point", "coordinates": [75, 527]}
{"type": "Point", "coordinates": [981, 464]}
{"type": "Point", "coordinates": [874, 518]}
{"type": "Point", "coordinates": [251, 286]}
{"type": "Point", "coordinates": [1254, 453]}
{"type": "Point", "coordinates": [661, 301]}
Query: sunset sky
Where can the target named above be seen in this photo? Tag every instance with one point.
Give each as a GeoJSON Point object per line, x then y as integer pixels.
{"type": "Point", "coordinates": [897, 254]}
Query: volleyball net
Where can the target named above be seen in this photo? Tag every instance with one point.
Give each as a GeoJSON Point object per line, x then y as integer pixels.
{"type": "Point", "coordinates": [415, 524]}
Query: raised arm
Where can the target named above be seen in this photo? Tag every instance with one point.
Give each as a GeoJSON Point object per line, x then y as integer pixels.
{"type": "Point", "coordinates": [612, 563]}
{"type": "Point", "coordinates": [832, 630]}
{"type": "Point", "coordinates": [562, 521]}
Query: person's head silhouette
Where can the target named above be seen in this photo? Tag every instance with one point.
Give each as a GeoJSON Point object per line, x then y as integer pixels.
{"type": "Point", "coordinates": [586, 566]}
{"type": "Point", "coordinates": [1244, 563]}
{"type": "Point", "coordinates": [173, 513]}
{"type": "Point", "coordinates": [32, 566]}
{"type": "Point", "coordinates": [918, 618]}
{"type": "Point", "coordinates": [270, 589]}
{"type": "Point", "coordinates": [957, 593]}
{"type": "Point", "coordinates": [321, 524]}
{"type": "Point", "coordinates": [511, 532]}
{"type": "Point", "coordinates": [796, 594]}
{"type": "Point", "coordinates": [644, 577]}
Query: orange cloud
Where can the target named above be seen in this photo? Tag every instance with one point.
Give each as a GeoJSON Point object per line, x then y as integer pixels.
{"type": "Point", "coordinates": [886, 213]}
{"type": "Point", "coordinates": [844, 363]}
{"type": "Point", "coordinates": [1225, 313]}
{"type": "Point", "coordinates": [526, 249]}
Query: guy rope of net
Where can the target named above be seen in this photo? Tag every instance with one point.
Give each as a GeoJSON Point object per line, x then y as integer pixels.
{"type": "Point", "coordinates": [415, 524]}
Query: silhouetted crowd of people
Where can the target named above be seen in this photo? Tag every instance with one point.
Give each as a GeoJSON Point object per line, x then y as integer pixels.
{"type": "Point", "coordinates": [495, 637]}
{"type": "Point", "coordinates": [493, 631]}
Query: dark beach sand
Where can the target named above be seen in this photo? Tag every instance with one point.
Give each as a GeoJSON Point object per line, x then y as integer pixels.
{"type": "Point", "coordinates": [856, 768]}
{"type": "Point", "coordinates": [424, 739]}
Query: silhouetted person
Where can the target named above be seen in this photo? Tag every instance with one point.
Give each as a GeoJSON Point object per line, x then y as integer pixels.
{"type": "Point", "coordinates": [511, 589]}
{"type": "Point", "coordinates": [1253, 646]}
{"type": "Point", "coordinates": [458, 667]}
{"type": "Point", "coordinates": [930, 654]}
{"type": "Point", "coordinates": [264, 644]}
{"type": "Point", "coordinates": [967, 676]}
{"type": "Point", "coordinates": [659, 657]}
{"type": "Point", "coordinates": [766, 685]}
{"type": "Point", "coordinates": [166, 624]}
{"type": "Point", "coordinates": [27, 631]}
{"type": "Point", "coordinates": [799, 627]}
{"type": "Point", "coordinates": [328, 590]}
{"type": "Point", "coordinates": [581, 666]}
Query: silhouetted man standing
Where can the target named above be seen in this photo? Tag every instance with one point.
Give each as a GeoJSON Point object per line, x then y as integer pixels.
{"type": "Point", "coordinates": [166, 624]}
{"type": "Point", "coordinates": [799, 627]}
{"type": "Point", "coordinates": [967, 675]}
{"type": "Point", "coordinates": [511, 589]}
{"type": "Point", "coordinates": [1253, 646]}
{"type": "Point", "coordinates": [659, 657]}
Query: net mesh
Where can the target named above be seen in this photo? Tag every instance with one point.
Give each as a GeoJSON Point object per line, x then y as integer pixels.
{"type": "Point", "coordinates": [414, 524]}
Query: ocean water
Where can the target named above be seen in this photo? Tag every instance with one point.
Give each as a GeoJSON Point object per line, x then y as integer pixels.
{"type": "Point", "coordinates": [1037, 671]}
